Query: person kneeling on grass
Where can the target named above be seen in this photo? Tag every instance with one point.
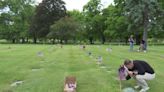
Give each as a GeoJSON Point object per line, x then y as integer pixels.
{"type": "Point", "coordinates": [142, 46]}
{"type": "Point", "coordinates": [141, 71]}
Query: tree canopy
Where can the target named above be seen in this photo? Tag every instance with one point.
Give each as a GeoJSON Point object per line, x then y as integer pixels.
{"type": "Point", "coordinates": [24, 21]}
{"type": "Point", "coordinates": [47, 12]}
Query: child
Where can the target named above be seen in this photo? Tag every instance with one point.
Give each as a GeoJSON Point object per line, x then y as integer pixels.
{"type": "Point", "coordinates": [142, 47]}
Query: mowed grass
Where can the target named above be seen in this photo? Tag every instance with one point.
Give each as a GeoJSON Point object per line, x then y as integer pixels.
{"type": "Point", "coordinates": [18, 61]}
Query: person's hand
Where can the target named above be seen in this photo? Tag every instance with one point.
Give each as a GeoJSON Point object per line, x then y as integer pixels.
{"type": "Point", "coordinates": [135, 72]}
{"type": "Point", "coordinates": [130, 73]}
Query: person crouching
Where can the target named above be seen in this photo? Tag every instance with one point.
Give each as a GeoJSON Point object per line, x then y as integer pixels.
{"type": "Point", "coordinates": [141, 71]}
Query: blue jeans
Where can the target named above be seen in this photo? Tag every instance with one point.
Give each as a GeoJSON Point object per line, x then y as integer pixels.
{"type": "Point", "coordinates": [131, 46]}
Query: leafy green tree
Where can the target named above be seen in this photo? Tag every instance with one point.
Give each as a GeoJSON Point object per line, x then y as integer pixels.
{"type": "Point", "coordinates": [116, 24]}
{"type": "Point", "coordinates": [15, 21]}
{"type": "Point", "coordinates": [141, 13]}
{"type": "Point", "coordinates": [65, 29]}
{"type": "Point", "coordinates": [99, 27]}
{"type": "Point", "coordinates": [79, 18]}
{"type": "Point", "coordinates": [46, 14]}
{"type": "Point", "coordinates": [90, 10]}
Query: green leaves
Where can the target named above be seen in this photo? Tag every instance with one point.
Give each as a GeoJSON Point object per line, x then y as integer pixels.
{"type": "Point", "coordinates": [116, 23]}
{"type": "Point", "coordinates": [142, 14]}
{"type": "Point", "coordinates": [47, 12]}
{"type": "Point", "coordinates": [64, 29]}
{"type": "Point", "coordinates": [16, 21]}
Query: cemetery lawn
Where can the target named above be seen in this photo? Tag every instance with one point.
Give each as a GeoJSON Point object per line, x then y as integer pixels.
{"type": "Point", "coordinates": [46, 73]}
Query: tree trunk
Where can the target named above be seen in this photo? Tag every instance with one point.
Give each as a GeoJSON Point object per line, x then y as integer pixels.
{"type": "Point", "coordinates": [35, 40]}
{"type": "Point", "coordinates": [23, 40]}
{"type": "Point", "coordinates": [74, 40]}
{"type": "Point", "coordinates": [137, 36]}
{"type": "Point", "coordinates": [66, 41]}
{"type": "Point", "coordinates": [27, 40]}
{"type": "Point", "coordinates": [44, 41]}
{"type": "Point", "coordinates": [103, 39]}
{"type": "Point", "coordinates": [91, 40]}
{"type": "Point", "coordinates": [53, 41]}
{"type": "Point", "coordinates": [145, 38]}
{"type": "Point", "coordinates": [61, 41]}
{"type": "Point", "coordinates": [146, 21]}
{"type": "Point", "coordinates": [13, 40]}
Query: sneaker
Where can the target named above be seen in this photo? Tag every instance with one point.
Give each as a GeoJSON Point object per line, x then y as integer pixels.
{"type": "Point", "coordinates": [137, 87]}
{"type": "Point", "coordinates": [144, 89]}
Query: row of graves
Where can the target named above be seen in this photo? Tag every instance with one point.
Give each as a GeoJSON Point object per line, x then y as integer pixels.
{"type": "Point", "coordinates": [70, 83]}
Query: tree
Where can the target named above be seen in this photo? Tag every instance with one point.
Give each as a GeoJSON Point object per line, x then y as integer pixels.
{"type": "Point", "coordinates": [47, 13]}
{"type": "Point", "coordinates": [161, 3]}
{"type": "Point", "coordinates": [64, 29]}
{"type": "Point", "coordinates": [99, 27]}
{"type": "Point", "coordinates": [15, 21]}
{"type": "Point", "coordinates": [115, 23]}
{"type": "Point", "coordinates": [90, 10]}
{"type": "Point", "coordinates": [5, 19]}
{"type": "Point", "coordinates": [78, 17]}
{"type": "Point", "coordinates": [141, 13]}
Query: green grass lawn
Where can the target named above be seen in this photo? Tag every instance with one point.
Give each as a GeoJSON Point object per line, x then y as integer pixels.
{"type": "Point", "coordinates": [17, 64]}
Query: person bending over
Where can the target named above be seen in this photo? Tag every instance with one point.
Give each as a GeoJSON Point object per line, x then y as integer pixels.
{"type": "Point", "coordinates": [141, 71]}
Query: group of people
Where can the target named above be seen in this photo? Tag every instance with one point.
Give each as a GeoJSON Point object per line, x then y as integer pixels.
{"type": "Point", "coordinates": [142, 44]}
{"type": "Point", "coordinates": [140, 70]}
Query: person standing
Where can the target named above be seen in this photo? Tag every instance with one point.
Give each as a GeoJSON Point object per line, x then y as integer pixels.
{"type": "Point", "coordinates": [131, 42]}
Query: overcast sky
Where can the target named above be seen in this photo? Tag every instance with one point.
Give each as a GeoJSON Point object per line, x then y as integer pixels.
{"type": "Point", "coordinates": [78, 4]}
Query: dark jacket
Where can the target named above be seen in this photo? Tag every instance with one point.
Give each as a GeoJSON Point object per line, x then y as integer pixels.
{"type": "Point", "coordinates": [141, 67]}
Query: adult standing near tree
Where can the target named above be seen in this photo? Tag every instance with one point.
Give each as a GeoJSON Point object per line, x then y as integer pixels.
{"type": "Point", "coordinates": [131, 42]}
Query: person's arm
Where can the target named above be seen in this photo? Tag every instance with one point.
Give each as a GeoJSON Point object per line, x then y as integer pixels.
{"type": "Point", "coordinates": [129, 39]}
{"type": "Point", "coordinates": [130, 74]}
